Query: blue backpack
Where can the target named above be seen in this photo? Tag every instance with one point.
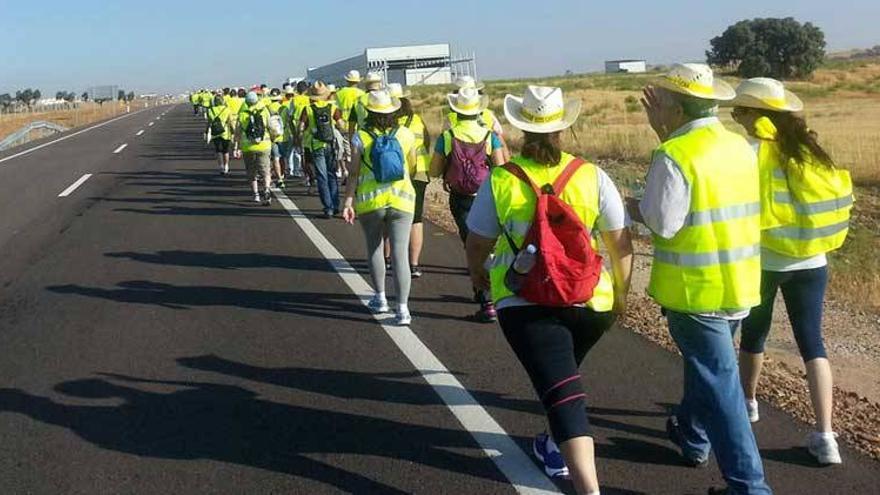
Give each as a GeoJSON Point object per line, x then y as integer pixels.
{"type": "Point", "coordinates": [386, 157]}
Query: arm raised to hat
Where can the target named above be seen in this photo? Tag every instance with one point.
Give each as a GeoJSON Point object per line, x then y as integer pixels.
{"type": "Point", "coordinates": [659, 111]}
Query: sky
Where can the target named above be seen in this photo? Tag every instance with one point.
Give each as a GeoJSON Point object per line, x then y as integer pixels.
{"type": "Point", "coordinates": [173, 46]}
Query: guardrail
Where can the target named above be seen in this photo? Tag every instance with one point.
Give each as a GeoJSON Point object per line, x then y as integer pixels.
{"type": "Point", "coordinates": [22, 135]}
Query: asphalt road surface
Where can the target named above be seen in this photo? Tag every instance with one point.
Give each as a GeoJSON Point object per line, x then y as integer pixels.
{"type": "Point", "coordinates": [161, 334]}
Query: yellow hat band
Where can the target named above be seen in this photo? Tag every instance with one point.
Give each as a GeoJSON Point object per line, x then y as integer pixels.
{"type": "Point", "coordinates": [469, 107]}
{"type": "Point", "coordinates": [693, 86]}
{"type": "Point", "coordinates": [542, 119]}
{"type": "Point", "coordinates": [379, 108]}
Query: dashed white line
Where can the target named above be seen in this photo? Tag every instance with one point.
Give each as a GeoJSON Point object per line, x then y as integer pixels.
{"type": "Point", "coordinates": [151, 124]}
{"type": "Point", "coordinates": [77, 133]}
{"type": "Point", "coordinates": [119, 149]}
{"type": "Point", "coordinates": [73, 186]}
{"type": "Point", "coordinates": [139, 132]}
{"type": "Point", "coordinates": [515, 464]}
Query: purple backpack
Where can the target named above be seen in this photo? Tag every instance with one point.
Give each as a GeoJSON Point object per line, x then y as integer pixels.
{"type": "Point", "coordinates": [467, 166]}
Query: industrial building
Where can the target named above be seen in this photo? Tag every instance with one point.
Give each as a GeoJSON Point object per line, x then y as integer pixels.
{"type": "Point", "coordinates": [407, 65]}
{"type": "Point", "coordinates": [625, 66]}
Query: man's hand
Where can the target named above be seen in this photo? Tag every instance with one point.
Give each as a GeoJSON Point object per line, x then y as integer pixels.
{"type": "Point", "coordinates": [634, 210]}
{"type": "Point", "coordinates": [658, 113]}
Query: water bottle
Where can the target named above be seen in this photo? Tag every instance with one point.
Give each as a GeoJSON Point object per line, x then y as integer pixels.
{"type": "Point", "coordinates": [522, 265]}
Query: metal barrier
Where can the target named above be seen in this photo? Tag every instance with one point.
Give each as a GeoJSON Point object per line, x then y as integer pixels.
{"type": "Point", "coordinates": [22, 135]}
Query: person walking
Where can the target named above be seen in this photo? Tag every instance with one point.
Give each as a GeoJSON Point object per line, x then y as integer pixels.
{"type": "Point", "coordinates": [702, 205]}
{"type": "Point", "coordinates": [462, 157]}
{"type": "Point", "coordinates": [277, 156]}
{"type": "Point", "coordinates": [487, 117]}
{"type": "Point", "coordinates": [298, 156]}
{"type": "Point", "coordinates": [206, 99]}
{"type": "Point", "coordinates": [551, 331]}
{"type": "Point", "coordinates": [293, 169]}
{"type": "Point", "coordinates": [220, 128]}
{"type": "Point", "coordinates": [372, 82]}
{"type": "Point", "coordinates": [316, 126]}
{"type": "Point", "coordinates": [806, 203]}
{"type": "Point", "coordinates": [381, 195]}
{"type": "Point", "coordinates": [252, 141]}
{"type": "Point", "coordinates": [407, 117]}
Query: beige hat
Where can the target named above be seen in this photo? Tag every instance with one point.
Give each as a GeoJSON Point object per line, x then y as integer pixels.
{"type": "Point", "coordinates": [696, 80]}
{"type": "Point", "coordinates": [353, 76]}
{"type": "Point", "coordinates": [396, 90]}
{"type": "Point", "coordinates": [541, 110]}
{"type": "Point", "coordinates": [290, 91]}
{"type": "Point", "coordinates": [381, 101]}
{"type": "Point", "coordinates": [319, 91]}
{"type": "Point", "coordinates": [468, 82]}
{"type": "Point", "coordinates": [331, 88]}
{"type": "Point", "coordinates": [373, 81]}
{"type": "Point", "coordinates": [467, 102]}
{"type": "Point", "coordinates": [767, 94]}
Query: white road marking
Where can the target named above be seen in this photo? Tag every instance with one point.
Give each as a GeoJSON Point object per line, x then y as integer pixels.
{"type": "Point", "coordinates": [73, 186]}
{"type": "Point", "coordinates": [515, 464]}
{"type": "Point", "coordinates": [119, 149]}
{"type": "Point", "coordinates": [35, 148]}
{"type": "Point", "coordinates": [151, 124]}
{"type": "Point", "coordinates": [139, 132]}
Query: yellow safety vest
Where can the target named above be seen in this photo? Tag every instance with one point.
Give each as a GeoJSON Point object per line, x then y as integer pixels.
{"type": "Point", "coordinates": [299, 102]}
{"type": "Point", "coordinates": [308, 140]}
{"type": "Point", "coordinates": [222, 113]}
{"type": "Point", "coordinates": [810, 202]}
{"type": "Point", "coordinates": [487, 119]}
{"type": "Point", "coordinates": [714, 262]}
{"type": "Point", "coordinates": [194, 98]}
{"type": "Point", "coordinates": [419, 170]}
{"type": "Point", "coordinates": [347, 98]}
{"type": "Point", "coordinates": [206, 99]}
{"type": "Point", "coordinates": [244, 120]}
{"type": "Point", "coordinates": [515, 204]}
{"type": "Point", "coordinates": [372, 195]}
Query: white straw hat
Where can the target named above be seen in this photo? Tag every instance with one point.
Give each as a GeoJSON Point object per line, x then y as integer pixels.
{"type": "Point", "coordinates": [541, 110]}
{"type": "Point", "coordinates": [373, 81]}
{"type": "Point", "coordinates": [696, 80]}
{"type": "Point", "coordinates": [468, 101]}
{"type": "Point", "coordinates": [767, 94]}
{"type": "Point", "coordinates": [381, 101]}
{"type": "Point", "coordinates": [353, 76]}
{"type": "Point", "coordinates": [396, 90]}
{"type": "Point", "coordinates": [468, 82]}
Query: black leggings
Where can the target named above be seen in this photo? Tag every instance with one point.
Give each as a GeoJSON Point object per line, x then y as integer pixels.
{"type": "Point", "coordinates": [551, 343]}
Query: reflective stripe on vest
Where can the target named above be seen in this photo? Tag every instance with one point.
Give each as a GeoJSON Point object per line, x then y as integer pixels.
{"type": "Point", "coordinates": [813, 208]}
{"type": "Point", "coordinates": [515, 205]}
{"type": "Point", "coordinates": [713, 262]}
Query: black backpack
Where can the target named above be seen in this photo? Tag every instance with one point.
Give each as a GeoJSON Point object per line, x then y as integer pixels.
{"type": "Point", "coordinates": [256, 129]}
{"type": "Point", "coordinates": [323, 123]}
{"type": "Point", "coordinates": [218, 128]}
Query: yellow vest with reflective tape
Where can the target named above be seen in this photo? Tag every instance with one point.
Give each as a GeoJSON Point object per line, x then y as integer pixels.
{"type": "Point", "coordinates": [487, 119]}
{"type": "Point", "coordinates": [260, 111]}
{"type": "Point", "coordinates": [515, 204]}
{"type": "Point", "coordinates": [347, 98]}
{"type": "Point", "coordinates": [423, 158]}
{"type": "Point", "coordinates": [222, 112]}
{"type": "Point", "coordinates": [714, 262]}
{"type": "Point", "coordinates": [309, 142]}
{"type": "Point", "coordinates": [372, 195]}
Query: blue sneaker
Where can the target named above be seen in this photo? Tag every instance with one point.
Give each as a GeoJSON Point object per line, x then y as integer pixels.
{"type": "Point", "coordinates": [547, 452]}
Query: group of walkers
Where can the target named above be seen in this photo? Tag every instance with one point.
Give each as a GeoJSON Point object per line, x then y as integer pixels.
{"type": "Point", "coordinates": [733, 220]}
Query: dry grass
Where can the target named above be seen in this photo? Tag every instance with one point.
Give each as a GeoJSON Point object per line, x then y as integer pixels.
{"type": "Point", "coordinates": [84, 113]}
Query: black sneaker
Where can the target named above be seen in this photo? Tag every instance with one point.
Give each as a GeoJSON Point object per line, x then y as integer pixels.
{"type": "Point", "coordinates": [415, 271]}
{"type": "Point", "coordinates": [674, 434]}
{"type": "Point", "coordinates": [328, 213]}
{"type": "Point", "coordinates": [718, 491]}
{"type": "Point", "coordinates": [281, 185]}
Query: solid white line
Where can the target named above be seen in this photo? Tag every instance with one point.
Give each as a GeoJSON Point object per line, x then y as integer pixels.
{"type": "Point", "coordinates": [35, 148]}
{"type": "Point", "coordinates": [515, 464]}
{"type": "Point", "coordinates": [73, 186]}
{"type": "Point", "coordinates": [119, 149]}
{"type": "Point", "coordinates": [139, 132]}
{"type": "Point", "coordinates": [151, 124]}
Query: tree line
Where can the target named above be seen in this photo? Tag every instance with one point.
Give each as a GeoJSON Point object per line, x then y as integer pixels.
{"type": "Point", "coordinates": [29, 97]}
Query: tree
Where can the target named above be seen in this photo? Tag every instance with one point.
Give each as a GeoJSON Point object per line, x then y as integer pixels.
{"type": "Point", "coordinates": [121, 95]}
{"type": "Point", "coordinates": [5, 100]}
{"type": "Point", "coordinates": [85, 96]}
{"type": "Point", "coordinates": [130, 96]}
{"type": "Point", "coordinates": [779, 48]}
{"type": "Point", "coordinates": [60, 95]}
{"type": "Point", "coordinates": [25, 97]}
{"type": "Point", "coordinates": [70, 96]}
{"type": "Point", "coordinates": [36, 95]}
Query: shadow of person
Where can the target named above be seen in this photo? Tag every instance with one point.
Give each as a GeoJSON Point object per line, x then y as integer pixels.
{"type": "Point", "coordinates": [232, 424]}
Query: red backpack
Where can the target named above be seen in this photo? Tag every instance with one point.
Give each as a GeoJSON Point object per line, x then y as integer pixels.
{"type": "Point", "coordinates": [567, 268]}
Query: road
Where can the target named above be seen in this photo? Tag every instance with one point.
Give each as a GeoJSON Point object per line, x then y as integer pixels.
{"type": "Point", "coordinates": [159, 333]}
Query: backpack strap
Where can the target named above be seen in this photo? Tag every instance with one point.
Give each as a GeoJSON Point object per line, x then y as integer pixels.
{"type": "Point", "coordinates": [521, 174]}
{"type": "Point", "coordinates": [573, 166]}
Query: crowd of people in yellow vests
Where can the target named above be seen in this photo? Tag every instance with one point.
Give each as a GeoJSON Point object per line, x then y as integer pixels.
{"type": "Point", "coordinates": [733, 219]}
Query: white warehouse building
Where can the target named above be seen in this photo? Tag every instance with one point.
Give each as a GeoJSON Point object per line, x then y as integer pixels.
{"type": "Point", "coordinates": [625, 66]}
{"type": "Point", "coordinates": [407, 65]}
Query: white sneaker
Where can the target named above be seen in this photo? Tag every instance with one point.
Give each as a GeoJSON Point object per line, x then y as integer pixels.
{"type": "Point", "coordinates": [404, 318]}
{"type": "Point", "coordinates": [752, 408]}
{"type": "Point", "coordinates": [823, 446]}
{"type": "Point", "coordinates": [378, 304]}
{"type": "Point", "coordinates": [257, 198]}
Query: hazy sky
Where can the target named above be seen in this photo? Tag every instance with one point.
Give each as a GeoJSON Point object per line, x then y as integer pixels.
{"type": "Point", "coordinates": [162, 45]}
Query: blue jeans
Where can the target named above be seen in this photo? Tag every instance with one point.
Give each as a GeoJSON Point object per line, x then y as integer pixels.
{"type": "Point", "coordinates": [712, 414]}
{"type": "Point", "coordinates": [328, 186]}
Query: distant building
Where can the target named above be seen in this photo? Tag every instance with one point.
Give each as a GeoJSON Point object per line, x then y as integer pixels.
{"type": "Point", "coordinates": [625, 66]}
{"type": "Point", "coordinates": [97, 93]}
{"type": "Point", "coordinates": [406, 65]}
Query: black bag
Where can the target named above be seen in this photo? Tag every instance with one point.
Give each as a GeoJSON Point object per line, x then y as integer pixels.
{"type": "Point", "coordinates": [323, 123]}
{"type": "Point", "coordinates": [256, 128]}
{"type": "Point", "coordinates": [217, 126]}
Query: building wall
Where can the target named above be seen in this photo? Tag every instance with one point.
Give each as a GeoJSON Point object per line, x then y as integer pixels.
{"type": "Point", "coordinates": [408, 52]}
{"type": "Point", "coordinates": [334, 73]}
{"type": "Point", "coordinates": [630, 66]}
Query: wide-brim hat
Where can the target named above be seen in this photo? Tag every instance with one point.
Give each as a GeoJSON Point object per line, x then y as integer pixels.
{"type": "Point", "coordinates": [353, 76]}
{"type": "Point", "coordinates": [541, 110]}
{"type": "Point", "coordinates": [766, 94]}
{"type": "Point", "coordinates": [696, 80]}
{"type": "Point", "coordinates": [381, 101]}
{"type": "Point", "coordinates": [319, 91]}
{"type": "Point", "coordinates": [290, 91]}
{"type": "Point", "coordinates": [468, 82]}
{"type": "Point", "coordinates": [467, 102]}
{"type": "Point", "coordinates": [397, 90]}
{"type": "Point", "coordinates": [373, 81]}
